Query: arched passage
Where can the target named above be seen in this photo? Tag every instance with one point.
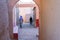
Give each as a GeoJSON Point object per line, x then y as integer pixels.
{"type": "Point", "coordinates": [11, 4]}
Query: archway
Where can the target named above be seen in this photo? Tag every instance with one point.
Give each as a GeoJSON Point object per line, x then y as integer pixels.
{"type": "Point", "coordinates": [11, 4]}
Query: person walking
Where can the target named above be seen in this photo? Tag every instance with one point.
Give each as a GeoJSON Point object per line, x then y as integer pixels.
{"type": "Point", "coordinates": [31, 20]}
{"type": "Point", "coordinates": [21, 21]}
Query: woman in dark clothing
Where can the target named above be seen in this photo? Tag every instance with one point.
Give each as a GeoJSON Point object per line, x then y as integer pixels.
{"type": "Point", "coordinates": [31, 20]}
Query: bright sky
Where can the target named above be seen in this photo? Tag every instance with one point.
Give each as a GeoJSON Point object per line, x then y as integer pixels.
{"type": "Point", "coordinates": [26, 0]}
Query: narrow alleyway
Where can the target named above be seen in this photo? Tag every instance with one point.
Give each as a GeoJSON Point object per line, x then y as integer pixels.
{"type": "Point", "coordinates": [28, 32]}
